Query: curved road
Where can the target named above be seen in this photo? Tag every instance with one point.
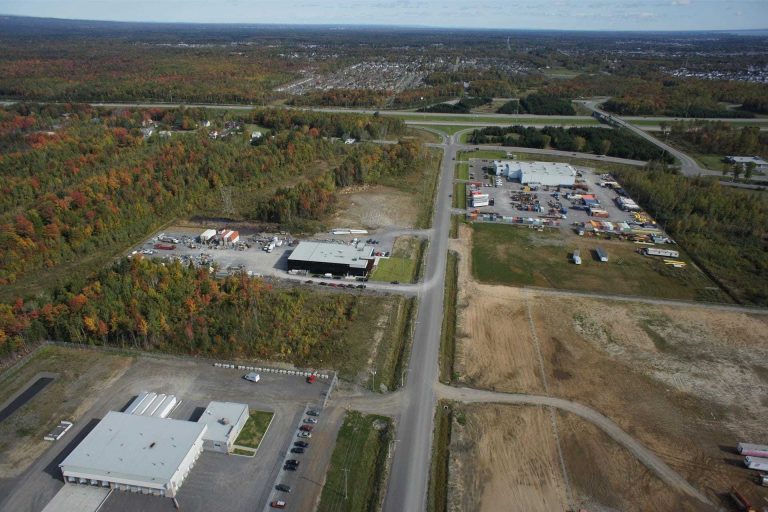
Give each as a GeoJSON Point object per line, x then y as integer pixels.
{"type": "Point", "coordinates": [615, 432]}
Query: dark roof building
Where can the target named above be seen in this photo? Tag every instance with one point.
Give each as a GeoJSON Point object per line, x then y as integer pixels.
{"type": "Point", "coordinates": [332, 258]}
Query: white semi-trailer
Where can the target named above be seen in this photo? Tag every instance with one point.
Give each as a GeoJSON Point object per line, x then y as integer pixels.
{"type": "Point", "coordinates": [667, 253]}
{"type": "Point", "coordinates": [758, 463]}
{"type": "Point", "coordinates": [755, 450]}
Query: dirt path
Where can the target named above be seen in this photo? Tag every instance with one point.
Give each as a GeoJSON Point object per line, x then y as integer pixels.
{"type": "Point", "coordinates": [643, 454]}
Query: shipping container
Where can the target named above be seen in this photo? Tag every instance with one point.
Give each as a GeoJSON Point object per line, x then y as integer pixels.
{"type": "Point", "coordinates": [756, 450]}
{"type": "Point", "coordinates": [756, 463]}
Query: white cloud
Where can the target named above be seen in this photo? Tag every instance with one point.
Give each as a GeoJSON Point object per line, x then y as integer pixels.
{"type": "Point", "coordinates": [681, 2]}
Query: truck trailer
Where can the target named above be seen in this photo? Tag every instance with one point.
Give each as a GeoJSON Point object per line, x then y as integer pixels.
{"type": "Point", "coordinates": [667, 253]}
{"type": "Point", "coordinates": [758, 463]}
{"type": "Point", "coordinates": [755, 450]}
{"type": "Point", "coordinates": [576, 257]}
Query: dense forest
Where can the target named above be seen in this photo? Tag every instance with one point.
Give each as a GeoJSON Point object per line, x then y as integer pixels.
{"type": "Point", "coordinates": [725, 228]}
{"type": "Point", "coordinates": [169, 307]}
{"type": "Point", "coordinates": [463, 106]}
{"type": "Point", "coordinates": [719, 138]}
{"type": "Point", "coordinates": [77, 179]}
{"type": "Point", "coordinates": [601, 141]}
{"type": "Point", "coordinates": [539, 104]}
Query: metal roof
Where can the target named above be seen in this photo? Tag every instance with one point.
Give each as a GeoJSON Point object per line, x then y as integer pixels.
{"type": "Point", "coordinates": [329, 252]}
{"type": "Point", "coordinates": [140, 448]}
{"type": "Point", "coordinates": [220, 417]}
{"type": "Point", "coordinates": [541, 168]}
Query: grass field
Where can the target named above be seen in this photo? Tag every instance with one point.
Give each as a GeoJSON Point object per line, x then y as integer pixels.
{"type": "Point", "coordinates": [460, 195]}
{"type": "Point", "coordinates": [422, 134]}
{"type": "Point", "coordinates": [485, 154]}
{"type": "Point", "coordinates": [437, 493]}
{"type": "Point", "coordinates": [353, 482]}
{"type": "Point", "coordinates": [447, 129]}
{"type": "Point", "coordinates": [469, 118]}
{"type": "Point", "coordinates": [448, 335]}
{"type": "Point", "coordinates": [454, 232]}
{"type": "Point", "coordinates": [404, 263]}
{"type": "Point", "coordinates": [391, 356]}
{"type": "Point", "coordinates": [512, 255]}
{"type": "Point", "coordinates": [762, 122]}
{"type": "Point", "coordinates": [462, 171]}
{"type": "Point", "coordinates": [254, 429]}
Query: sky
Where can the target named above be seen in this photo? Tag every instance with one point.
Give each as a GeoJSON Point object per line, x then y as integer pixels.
{"type": "Point", "coordinates": [497, 14]}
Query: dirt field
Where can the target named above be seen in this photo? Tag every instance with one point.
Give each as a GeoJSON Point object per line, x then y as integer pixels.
{"type": "Point", "coordinates": [375, 207]}
{"type": "Point", "coordinates": [504, 458]}
{"type": "Point", "coordinates": [68, 397]}
{"type": "Point", "coordinates": [687, 382]}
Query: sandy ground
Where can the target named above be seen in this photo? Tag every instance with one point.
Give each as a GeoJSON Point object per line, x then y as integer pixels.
{"type": "Point", "coordinates": [688, 382]}
{"type": "Point", "coordinates": [496, 466]}
{"type": "Point", "coordinates": [375, 207]}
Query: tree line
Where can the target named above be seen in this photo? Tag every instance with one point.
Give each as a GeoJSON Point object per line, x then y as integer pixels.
{"type": "Point", "coordinates": [600, 141]}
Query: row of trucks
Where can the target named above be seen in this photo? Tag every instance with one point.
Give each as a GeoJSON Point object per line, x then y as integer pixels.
{"type": "Point", "coordinates": [755, 457]}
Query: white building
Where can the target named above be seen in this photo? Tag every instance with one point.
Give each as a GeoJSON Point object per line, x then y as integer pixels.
{"type": "Point", "coordinates": [224, 421]}
{"type": "Point", "coordinates": [552, 174]}
{"type": "Point", "coordinates": [136, 453]}
{"type": "Point", "coordinates": [760, 164]}
{"type": "Point", "coordinates": [152, 404]}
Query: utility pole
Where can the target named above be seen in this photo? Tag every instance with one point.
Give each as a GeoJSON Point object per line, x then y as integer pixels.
{"type": "Point", "coordinates": [373, 384]}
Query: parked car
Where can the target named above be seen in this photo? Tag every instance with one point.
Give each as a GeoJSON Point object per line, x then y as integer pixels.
{"type": "Point", "coordinates": [292, 462]}
{"type": "Point", "coordinates": [322, 283]}
{"type": "Point", "coordinates": [289, 467]}
{"type": "Point", "coordinates": [306, 428]}
{"type": "Point", "coordinates": [313, 412]}
{"type": "Point", "coordinates": [297, 450]}
{"type": "Point", "coordinates": [302, 444]}
{"type": "Point", "coordinates": [253, 377]}
{"type": "Point", "coordinates": [277, 504]}
{"type": "Point", "coordinates": [310, 420]}
{"type": "Point", "coordinates": [308, 281]}
{"type": "Point", "coordinates": [306, 435]}
{"type": "Point", "coordinates": [283, 487]}
{"type": "Point", "coordinates": [395, 282]}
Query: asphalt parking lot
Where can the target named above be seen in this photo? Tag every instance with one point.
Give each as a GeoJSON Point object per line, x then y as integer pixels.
{"type": "Point", "coordinates": [243, 483]}
{"type": "Point", "coordinates": [503, 204]}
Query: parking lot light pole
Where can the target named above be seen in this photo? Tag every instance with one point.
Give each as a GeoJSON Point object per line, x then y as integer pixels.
{"type": "Point", "coordinates": [373, 384]}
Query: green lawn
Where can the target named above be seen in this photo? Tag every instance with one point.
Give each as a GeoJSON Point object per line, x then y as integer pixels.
{"type": "Point", "coordinates": [254, 429]}
{"type": "Point", "coordinates": [437, 493]}
{"type": "Point", "coordinates": [462, 171]}
{"type": "Point", "coordinates": [470, 118]}
{"type": "Point", "coordinates": [448, 130]}
{"type": "Point", "coordinates": [738, 122]}
{"type": "Point", "coordinates": [513, 255]}
{"type": "Point", "coordinates": [448, 336]}
{"type": "Point", "coordinates": [460, 195]}
{"type": "Point", "coordinates": [404, 263]}
{"type": "Point", "coordinates": [484, 154]}
{"type": "Point", "coordinates": [353, 482]}
{"type": "Point", "coordinates": [391, 356]}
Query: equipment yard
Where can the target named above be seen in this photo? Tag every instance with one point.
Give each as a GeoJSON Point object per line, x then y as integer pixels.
{"type": "Point", "coordinates": [687, 381]}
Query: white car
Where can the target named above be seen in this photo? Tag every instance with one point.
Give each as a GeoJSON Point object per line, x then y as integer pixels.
{"type": "Point", "coordinates": [253, 377]}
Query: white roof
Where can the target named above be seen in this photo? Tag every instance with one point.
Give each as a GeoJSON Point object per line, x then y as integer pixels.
{"type": "Point", "coordinates": [329, 252]}
{"type": "Point", "coordinates": [747, 159]}
{"type": "Point", "coordinates": [220, 417]}
{"type": "Point", "coordinates": [130, 447]}
{"type": "Point", "coordinates": [540, 168]}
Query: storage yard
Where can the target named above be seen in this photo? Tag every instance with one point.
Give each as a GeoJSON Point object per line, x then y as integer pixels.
{"type": "Point", "coordinates": [668, 375]}
{"type": "Point", "coordinates": [193, 388]}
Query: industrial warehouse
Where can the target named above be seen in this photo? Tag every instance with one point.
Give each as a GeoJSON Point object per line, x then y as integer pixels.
{"type": "Point", "coordinates": [141, 450]}
{"type": "Point", "coordinates": [551, 174]}
{"type": "Point", "coordinates": [332, 258]}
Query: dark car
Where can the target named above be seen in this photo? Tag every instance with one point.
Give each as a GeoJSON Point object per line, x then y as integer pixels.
{"type": "Point", "coordinates": [302, 444]}
{"type": "Point", "coordinates": [361, 286]}
{"type": "Point", "coordinates": [291, 462]}
{"type": "Point", "coordinates": [297, 450]}
{"type": "Point", "coordinates": [308, 281]}
{"type": "Point", "coordinates": [313, 412]}
{"type": "Point", "coordinates": [289, 467]}
{"type": "Point", "coordinates": [322, 283]}
{"type": "Point", "coordinates": [283, 487]}
{"type": "Point", "coordinates": [395, 282]}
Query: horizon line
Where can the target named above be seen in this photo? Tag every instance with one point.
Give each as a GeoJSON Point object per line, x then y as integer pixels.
{"type": "Point", "coordinates": [389, 26]}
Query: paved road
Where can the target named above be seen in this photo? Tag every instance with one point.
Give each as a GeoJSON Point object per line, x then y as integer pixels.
{"type": "Point", "coordinates": [407, 489]}
{"type": "Point", "coordinates": [643, 454]}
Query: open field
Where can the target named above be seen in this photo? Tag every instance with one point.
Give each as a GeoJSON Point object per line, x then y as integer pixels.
{"type": "Point", "coordinates": [254, 429]}
{"type": "Point", "coordinates": [505, 457]}
{"type": "Point", "coordinates": [80, 375]}
{"type": "Point", "coordinates": [497, 119]}
{"type": "Point", "coordinates": [503, 254]}
{"type": "Point", "coordinates": [437, 493]}
{"type": "Point", "coordinates": [354, 479]}
{"type": "Point", "coordinates": [460, 195]}
{"type": "Point", "coordinates": [462, 171]}
{"type": "Point", "coordinates": [392, 346]}
{"type": "Point", "coordinates": [421, 134]}
{"type": "Point", "coordinates": [687, 382]}
{"type": "Point", "coordinates": [404, 264]}
{"type": "Point", "coordinates": [449, 129]}
{"type": "Point", "coordinates": [448, 334]}
{"type": "Point", "coordinates": [482, 153]}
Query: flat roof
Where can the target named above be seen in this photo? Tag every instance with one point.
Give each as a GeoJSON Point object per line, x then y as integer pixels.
{"type": "Point", "coordinates": [549, 168]}
{"type": "Point", "coordinates": [329, 252]}
{"type": "Point", "coordinates": [220, 417]}
{"type": "Point", "coordinates": [129, 447]}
